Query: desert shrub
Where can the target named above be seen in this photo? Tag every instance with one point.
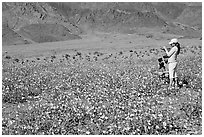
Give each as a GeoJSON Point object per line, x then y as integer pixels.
{"type": "Point", "coordinates": [7, 57]}
{"type": "Point", "coordinates": [53, 57]}
{"type": "Point", "coordinates": [149, 36]}
{"type": "Point", "coordinates": [78, 54]}
{"type": "Point", "coordinates": [16, 60]}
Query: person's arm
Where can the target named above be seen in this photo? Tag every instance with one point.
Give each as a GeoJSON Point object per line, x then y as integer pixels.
{"type": "Point", "coordinates": [170, 53]}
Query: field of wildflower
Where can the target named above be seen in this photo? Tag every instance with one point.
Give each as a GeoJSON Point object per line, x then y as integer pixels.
{"type": "Point", "coordinates": [100, 95]}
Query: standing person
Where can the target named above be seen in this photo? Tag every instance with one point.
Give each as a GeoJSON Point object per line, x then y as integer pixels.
{"type": "Point", "coordinates": [172, 61]}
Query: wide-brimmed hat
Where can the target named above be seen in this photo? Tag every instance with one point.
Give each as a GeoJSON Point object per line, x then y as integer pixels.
{"type": "Point", "coordinates": [173, 41]}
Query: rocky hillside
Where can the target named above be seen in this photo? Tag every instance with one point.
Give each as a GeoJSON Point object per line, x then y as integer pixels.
{"type": "Point", "coordinates": [10, 37]}
{"type": "Point", "coordinates": [122, 16]}
{"type": "Point", "coordinates": [35, 22]}
{"type": "Point", "coordinates": [46, 22]}
{"type": "Point", "coordinates": [109, 16]}
{"type": "Point", "coordinates": [191, 16]}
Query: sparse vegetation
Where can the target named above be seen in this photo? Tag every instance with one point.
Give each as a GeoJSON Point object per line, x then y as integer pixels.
{"type": "Point", "coordinates": [81, 88]}
{"type": "Point", "coordinates": [106, 96]}
{"type": "Point", "coordinates": [7, 57]}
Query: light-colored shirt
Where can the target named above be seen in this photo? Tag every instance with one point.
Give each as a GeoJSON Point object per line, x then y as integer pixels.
{"type": "Point", "coordinates": [172, 54]}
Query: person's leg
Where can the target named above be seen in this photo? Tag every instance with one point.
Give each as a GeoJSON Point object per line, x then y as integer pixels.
{"type": "Point", "coordinates": [171, 82]}
{"type": "Point", "coordinates": [171, 76]}
{"type": "Point", "coordinates": [176, 77]}
{"type": "Point", "coordinates": [176, 81]}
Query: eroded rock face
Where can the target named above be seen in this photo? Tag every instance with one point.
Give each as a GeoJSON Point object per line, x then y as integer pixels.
{"type": "Point", "coordinates": [110, 16]}
{"type": "Point", "coordinates": [22, 14]}
{"type": "Point", "coordinates": [116, 15]}
{"type": "Point", "coordinates": [17, 16]}
{"type": "Point", "coordinates": [80, 18]}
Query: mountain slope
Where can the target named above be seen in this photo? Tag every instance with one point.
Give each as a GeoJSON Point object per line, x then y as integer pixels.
{"type": "Point", "coordinates": [17, 15]}
{"type": "Point", "coordinates": [47, 33]}
{"type": "Point", "coordinates": [56, 21]}
{"type": "Point", "coordinates": [10, 37]}
{"type": "Point", "coordinates": [192, 16]}
{"type": "Point", "coordinates": [170, 10]}
{"type": "Point", "coordinates": [109, 16]}
{"type": "Point", "coordinates": [117, 16]}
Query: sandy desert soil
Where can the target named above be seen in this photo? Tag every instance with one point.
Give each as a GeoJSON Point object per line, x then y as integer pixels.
{"type": "Point", "coordinates": [102, 84]}
{"type": "Point", "coordinates": [105, 42]}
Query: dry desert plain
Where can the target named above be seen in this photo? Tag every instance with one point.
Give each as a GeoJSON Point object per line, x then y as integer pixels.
{"type": "Point", "coordinates": [100, 84]}
{"type": "Point", "coordinates": [97, 41]}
